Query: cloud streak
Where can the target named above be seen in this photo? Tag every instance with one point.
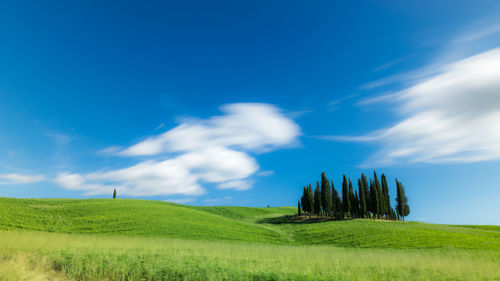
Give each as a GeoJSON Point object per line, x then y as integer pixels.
{"type": "Point", "coordinates": [20, 178]}
{"type": "Point", "coordinates": [451, 117]}
{"type": "Point", "coordinates": [215, 151]}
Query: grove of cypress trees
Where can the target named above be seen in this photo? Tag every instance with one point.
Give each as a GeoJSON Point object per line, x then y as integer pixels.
{"type": "Point", "coordinates": [402, 207]}
{"type": "Point", "coordinates": [317, 200]}
{"type": "Point", "coordinates": [346, 202]}
{"type": "Point", "coordinates": [326, 195]}
{"type": "Point", "coordinates": [368, 201]}
{"type": "Point", "coordinates": [362, 199]}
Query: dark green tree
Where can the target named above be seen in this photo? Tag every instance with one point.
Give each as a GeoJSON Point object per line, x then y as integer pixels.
{"type": "Point", "coordinates": [375, 207]}
{"type": "Point", "coordinates": [326, 195]}
{"type": "Point", "coordinates": [367, 194]}
{"type": "Point", "coordinates": [392, 214]}
{"type": "Point", "coordinates": [305, 202]}
{"type": "Point", "coordinates": [356, 205]}
{"type": "Point", "coordinates": [114, 193]}
{"type": "Point", "coordinates": [351, 199]}
{"type": "Point", "coordinates": [317, 200]}
{"type": "Point", "coordinates": [402, 207]}
{"type": "Point", "coordinates": [362, 199]}
{"type": "Point", "coordinates": [378, 188]}
{"type": "Point", "coordinates": [337, 203]}
{"type": "Point", "coordinates": [310, 198]}
{"type": "Point", "coordinates": [346, 202]}
{"type": "Point", "coordinates": [387, 199]}
{"type": "Point", "coordinates": [299, 212]}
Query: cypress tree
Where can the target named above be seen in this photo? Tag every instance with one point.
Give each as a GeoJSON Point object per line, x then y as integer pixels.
{"type": "Point", "coordinates": [310, 199]}
{"type": "Point", "coordinates": [337, 203]}
{"type": "Point", "coordinates": [356, 204]}
{"type": "Point", "coordinates": [317, 200]}
{"type": "Point", "coordinates": [375, 207]}
{"type": "Point", "coordinates": [378, 188]}
{"type": "Point", "coordinates": [392, 214]}
{"type": "Point", "coordinates": [326, 195]}
{"type": "Point", "coordinates": [298, 209]}
{"type": "Point", "coordinates": [387, 199]}
{"type": "Point", "coordinates": [402, 207]}
{"type": "Point", "coordinates": [362, 199]}
{"type": "Point", "coordinates": [303, 199]}
{"type": "Point", "coordinates": [367, 194]}
{"type": "Point", "coordinates": [351, 199]}
{"type": "Point", "coordinates": [114, 193]}
{"type": "Point", "coordinates": [346, 203]}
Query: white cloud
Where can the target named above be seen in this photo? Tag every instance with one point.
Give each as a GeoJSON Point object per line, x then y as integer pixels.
{"type": "Point", "coordinates": [58, 138]}
{"type": "Point", "coordinates": [20, 178]}
{"type": "Point", "coordinates": [180, 200]}
{"type": "Point", "coordinates": [451, 117]}
{"type": "Point", "coordinates": [247, 126]}
{"type": "Point", "coordinates": [200, 151]}
{"type": "Point", "coordinates": [452, 45]}
{"type": "Point", "coordinates": [266, 173]}
{"type": "Point", "coordinates": [236, 184]}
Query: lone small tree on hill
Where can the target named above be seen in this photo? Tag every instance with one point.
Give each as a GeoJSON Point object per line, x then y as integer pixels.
{"type": "Point", "coordinates": [114, 193]}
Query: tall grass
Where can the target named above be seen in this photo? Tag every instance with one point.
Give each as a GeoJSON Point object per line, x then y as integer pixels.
{"type": "Point", "coordinates": [93, 257]}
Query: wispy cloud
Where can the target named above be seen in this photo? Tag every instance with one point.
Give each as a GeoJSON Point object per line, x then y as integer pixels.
{"type": "Point", "coordinates": [20, 178]}
{"type": "Point", "coordinates": [247, 126]}
{"type": "Point", "coordinates": [392, 63]}
{"type": "Point", "coordinates": [58, 138]}
{"type": "Point", "coordinates": [451, 117]}
{"type": "Point", "coordinates": [180, 200]}
{"type": "Point", "coordinates": [335, 104]}
{"type": "Point", "coordinates": [216, 150]}
{"type": "Point", "coordinates": [265, 173]}
{"type": "Point", "coordinates": [218, 200]}
{"type": "Point", "coordinates": [456, 44]}
{"type": "Point", "coordinates": [160, 126]}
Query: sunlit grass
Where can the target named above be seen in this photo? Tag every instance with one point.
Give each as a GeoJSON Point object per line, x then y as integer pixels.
{"type": "Point", "coordinates": [90, 257]}
{"type": "Point", "coordinates": [59, 239]}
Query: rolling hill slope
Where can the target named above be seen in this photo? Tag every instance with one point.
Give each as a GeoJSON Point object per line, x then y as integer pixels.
{"type": "Point", "coordinates": [160, 219]}
{"type": "Point", "coordinates": [126, 217]}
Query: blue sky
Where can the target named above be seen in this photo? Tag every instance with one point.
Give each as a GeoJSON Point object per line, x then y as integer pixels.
{"type": "Point", "coordinates": [243, 103]}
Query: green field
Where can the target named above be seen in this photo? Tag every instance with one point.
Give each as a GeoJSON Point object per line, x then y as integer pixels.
{"type": "Point", "coordinates": [60, 239]}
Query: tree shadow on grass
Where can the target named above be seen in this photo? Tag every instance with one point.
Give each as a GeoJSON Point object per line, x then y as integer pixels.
{"type": "Point", "coordinates": [294, 219]}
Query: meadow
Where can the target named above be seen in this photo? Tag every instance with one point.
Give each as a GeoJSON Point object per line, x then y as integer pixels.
{"type": "Point", "coordinates": [53, 239]}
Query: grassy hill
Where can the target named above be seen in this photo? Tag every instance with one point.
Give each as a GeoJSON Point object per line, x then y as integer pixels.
{"type": "Point", "coordinates": [268, 225]}
{"type": "Point", "coordinates": [127, 217]}
{"type": "Point", "coordinates": [60, 239]}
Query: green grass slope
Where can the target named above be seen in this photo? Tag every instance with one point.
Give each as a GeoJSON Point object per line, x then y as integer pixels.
{"type": "Point", "coordinates": [27, 255]}
{"type": "Point", "coordinates": [267, 225]}
{"type": "Point", "coordinates": [126, 217]}
{"type": "Point", "coordinates": [394, 234]}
